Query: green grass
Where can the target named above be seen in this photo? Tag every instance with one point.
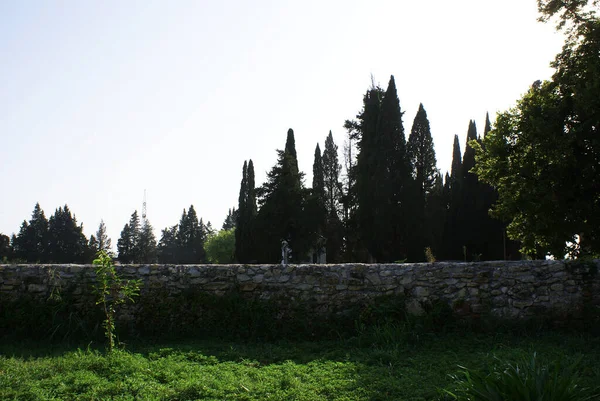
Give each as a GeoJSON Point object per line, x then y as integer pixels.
{"type": "Point", "coordinates": [370, 367]}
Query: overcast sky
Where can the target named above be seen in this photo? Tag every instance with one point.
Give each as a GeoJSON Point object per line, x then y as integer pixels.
{"type": "Point", "coordinates": [100, 100]}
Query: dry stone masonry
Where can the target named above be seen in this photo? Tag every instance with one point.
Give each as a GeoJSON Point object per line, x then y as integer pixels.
{"type": "Point", "coordinates": [513, 290]}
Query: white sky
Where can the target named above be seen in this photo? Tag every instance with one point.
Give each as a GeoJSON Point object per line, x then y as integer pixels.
{"type": "Point", "coordinates": [101, 100]}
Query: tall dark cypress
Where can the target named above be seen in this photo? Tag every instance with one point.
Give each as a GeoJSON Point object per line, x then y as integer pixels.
{"type": "Point", "coordinates": [470, 223]}
{"type": "Point", "coordinates": [282, 200]}
{"type": "Point", "coordinates": [422, 159]}
{"type": "Point", "coordinates": [334, 232]}
{"type": "Point", "coordinates": [250, 215]}
{"type": "Point", "coordinates": [366, 178]}
{"type": "Point", "coordinates": [240, 231]}
{"type": "Point", "coordinates": [393, 182]}
{"type": "Point", "coordinates": [452, 231]}
{"type": "Point", "coordinates": [422, 154]}
{"type": "Point", "coordinates": [318, 184]}
{"type": "Point", "coordinates": [315, 211]}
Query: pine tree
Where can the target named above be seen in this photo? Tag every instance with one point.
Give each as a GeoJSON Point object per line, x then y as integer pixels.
{"type": "Point", "coordinates": [92, 249]}
{"type": "Point", "coordinates": [66, 241]}
{"type": "Point", "coordinates": [128, 243]}
{"type": "Point", "coordinates": [104, 243]}
{"type": "Point", "coordinates": [230, 221]}
{"type": "Point", "coordinates": [191, 236]}
{"type": "Point", "coordinates": [32, 240]}
{"type": "Point", "coordinates": [5, 248]}
{"type": "Point", "coordinates": [147, 244]}
{"type": "Point", "coordinates": [167, 246]}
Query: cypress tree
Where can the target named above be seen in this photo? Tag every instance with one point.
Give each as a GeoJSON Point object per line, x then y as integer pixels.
{"type": "Point", "coordinates": [315, 211]}
{"type": "Point", "coordinates": [240, 248]}
{"type": "Point", "coordinates": [331, 176]}
{"type": "Point", "coordinates": [471, 226]}
{"type": "Point", "coordinates": [333, 195]}
{"type": "Point", "coordinates": [251, 212]}
{"type": "Point", "coordinates": [318, 184]}
{"type": "Point", "coordinates": [452, 230]}
{"type": "Point", "coordinates": [393, 182]}
{"type": "Point", "coordinates": [282, 200]}
{"type": "Point", "coordinates": [366, 178]}
{"type": "Point", "coordinates": [421, 155]}
{"type": "Point", "coordinates": [245, 249]}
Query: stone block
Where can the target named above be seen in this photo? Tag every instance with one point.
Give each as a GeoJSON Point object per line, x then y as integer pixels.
{"type": "Point", "coordinates": [414, 308]}
{"type": "Point", "coordinates": [421, 292]}
{"type": "Point", "coordinates": [243, 278]}
{"type": "Point", "coordinates": [36, 288]}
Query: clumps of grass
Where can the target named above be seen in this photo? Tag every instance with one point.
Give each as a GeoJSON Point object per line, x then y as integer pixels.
{"type": "Point", "coordinates": [526, 380]}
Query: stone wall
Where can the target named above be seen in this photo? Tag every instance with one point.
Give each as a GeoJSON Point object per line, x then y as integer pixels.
{"type": "Point", "coordinates": [512, 290]}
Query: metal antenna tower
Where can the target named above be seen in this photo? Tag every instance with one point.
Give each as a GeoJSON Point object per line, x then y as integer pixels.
{"type": "Point", "coordinates": [144, 206]}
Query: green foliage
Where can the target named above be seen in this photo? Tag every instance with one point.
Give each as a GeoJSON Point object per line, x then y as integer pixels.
{"type": "Point", "coordinates": [112, 291]}
{"type": "Point", "coordinates": [339, 370]}
{"type": "Point", "coordinates": [526, 380]}
{"type": "Point", "coordinates": [543, 154]}
{"type": "Point", "coordinates": [220, 248]}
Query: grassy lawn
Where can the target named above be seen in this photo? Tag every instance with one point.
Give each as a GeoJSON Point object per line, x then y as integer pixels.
{"type": "Point", "coordinates": [365, 368]}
